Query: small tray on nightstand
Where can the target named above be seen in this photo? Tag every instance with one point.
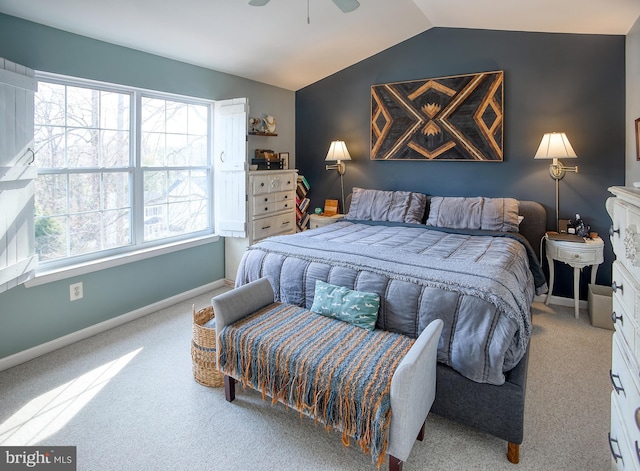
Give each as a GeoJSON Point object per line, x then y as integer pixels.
{"type": "Point", "coordinates": [565, 237]}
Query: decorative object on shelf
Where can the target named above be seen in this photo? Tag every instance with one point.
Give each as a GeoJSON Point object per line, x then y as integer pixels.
{"type": "Point", "coordinates": [338, 153]}
{"type": "Point", "coordinates": [284, 160]}
{"type": "Point", "coordinates": [446, 118]}
{"type": "Point", "coordinates": [556, 145]}
{"type": "Point", "coordinates": [302, 203]}
{"type": "Point", "coordinates": [270, 124]}
{"type": "Point", "coordinates": [267, 159]}
{"type": "Point", "coordinates": [255, 125]}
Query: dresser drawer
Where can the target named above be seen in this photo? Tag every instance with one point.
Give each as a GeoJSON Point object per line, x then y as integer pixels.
{"type": "Point", "coordinates": [624, 454]}
{"type": "Point", "coordinates": [284, 205]}
{"type": "Point", "coordinates": [618, 212]}
{"type": "Point", "coordinates": [286, 223]}
{"type": "Point", "coordinates": [264, 227]}
{"type": "Point", "coordinates": [280, 224]}
{"type": "Point", "coordinates": [625, 388]}
{"type": "Point", "coordinates": [626, 291]}
{"type": "Point", "coordinates": [262, 208]}
{"type": "Point", "coordinates": [259, 184]}
{"type": "Point", "coordinates": [285, 196]}
{"type": "Point", "coordinates": [624, 323]}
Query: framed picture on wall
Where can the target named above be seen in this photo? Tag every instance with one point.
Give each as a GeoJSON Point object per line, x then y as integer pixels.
{"type": "Point", "coordinates": [638, 139]}
{"type": "Point", "coordinates": [284, 158]}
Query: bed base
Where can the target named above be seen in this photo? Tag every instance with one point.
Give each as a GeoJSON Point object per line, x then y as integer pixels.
{"type": "Point", "coordinates": [496, 410]}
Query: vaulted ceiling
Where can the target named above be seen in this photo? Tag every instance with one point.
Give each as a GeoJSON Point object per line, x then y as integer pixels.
{"type": "Point", "coordinates": [293, 43]}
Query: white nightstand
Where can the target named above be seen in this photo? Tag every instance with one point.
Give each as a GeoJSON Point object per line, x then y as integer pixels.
{"type": "Point", "coordinates": [577, 255]}
{"type": "Point", "coordinates": [318, 220]}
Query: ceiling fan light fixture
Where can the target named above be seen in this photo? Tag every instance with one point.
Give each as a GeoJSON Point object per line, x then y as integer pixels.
{"type": "Point", "coordinates": [346, 6]}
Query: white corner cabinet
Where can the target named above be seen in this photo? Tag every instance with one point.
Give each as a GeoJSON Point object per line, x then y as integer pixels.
{"type": "Point", "coordinates": [624, 434]}
{"type": "Point", "coordinates": [271, 210]}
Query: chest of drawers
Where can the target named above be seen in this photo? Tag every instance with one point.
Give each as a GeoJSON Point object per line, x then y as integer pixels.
{"type": "Point", "coordinates": [624, 435]}
{"type": "Point", "coordinates": [271, 210]}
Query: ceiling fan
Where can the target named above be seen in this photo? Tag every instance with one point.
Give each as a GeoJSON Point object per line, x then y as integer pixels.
{"type": "Point", "coordinates": [345, 5]}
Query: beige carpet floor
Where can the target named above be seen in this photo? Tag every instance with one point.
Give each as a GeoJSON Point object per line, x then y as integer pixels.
{"type": "Point", "coordinates": [127, 399]}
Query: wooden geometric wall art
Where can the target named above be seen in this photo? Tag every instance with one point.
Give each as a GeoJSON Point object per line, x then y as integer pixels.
{"type": "Point", "coordinates": [447, 118]}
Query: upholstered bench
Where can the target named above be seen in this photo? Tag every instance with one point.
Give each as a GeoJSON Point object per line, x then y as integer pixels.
{"type": "Point", "coordinates": [376, 387]}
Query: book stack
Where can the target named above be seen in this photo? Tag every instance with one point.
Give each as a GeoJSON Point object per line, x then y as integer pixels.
{"type": "Point", "coordinates": [302, 204]}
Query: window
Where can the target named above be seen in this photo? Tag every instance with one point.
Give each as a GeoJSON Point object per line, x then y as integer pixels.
{"type": "Point", "coordinates": [118, 169]}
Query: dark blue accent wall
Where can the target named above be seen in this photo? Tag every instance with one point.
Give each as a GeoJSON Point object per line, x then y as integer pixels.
{"type": "Point", "coordinates": [552, 82]}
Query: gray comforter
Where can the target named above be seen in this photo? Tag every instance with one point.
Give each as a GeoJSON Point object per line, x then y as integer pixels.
{"type": "Point", "coordinates": [481, 286]}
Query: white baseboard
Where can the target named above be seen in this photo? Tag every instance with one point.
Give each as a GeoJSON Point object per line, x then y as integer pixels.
{"type": "Point", "coordinates": [562, 301]}
{"type": "Point", "coordinates": [48, 347]}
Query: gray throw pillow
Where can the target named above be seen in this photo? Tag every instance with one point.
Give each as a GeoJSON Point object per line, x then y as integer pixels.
{"type": "Point", "coordinates": [393, 206]}
{"type": "Point", "coordinates": [489, 214]}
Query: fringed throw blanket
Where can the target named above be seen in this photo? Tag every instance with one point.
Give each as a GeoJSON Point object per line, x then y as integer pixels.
{"type": "Point", "coordinates": [328, 369]}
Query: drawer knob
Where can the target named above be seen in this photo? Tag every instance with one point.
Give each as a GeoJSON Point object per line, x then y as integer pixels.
{"type": "Point", "coordinates": [616, 318]}
{"type": "Point", "coordinates": [266, 209]}
{"type": "Point", "coordinates": [266, 227]}
{"type": "Point", "coordinates": [617, 389]}
{"type": "Point", "coordinates": [613, 231]}
{"type": "Point", "coordinates": [576, 255]}
{"type": "Point", "coordinates": [262, 184]}
{"type": "Point", "coordinates": [266, 199]}
{"type": "Point", "coordinates": [615, 287]}
{"type": "Point", "coordinates": [615, 455]}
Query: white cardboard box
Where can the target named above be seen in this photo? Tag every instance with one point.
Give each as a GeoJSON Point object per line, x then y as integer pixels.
{"type": "Point", "coordinates": [600, 306]}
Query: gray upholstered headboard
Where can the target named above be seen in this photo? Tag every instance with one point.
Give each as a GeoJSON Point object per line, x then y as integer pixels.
{"type": "Point", "coordinates": [532, 227]}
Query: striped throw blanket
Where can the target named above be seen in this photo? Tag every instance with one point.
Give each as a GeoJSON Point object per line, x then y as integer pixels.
{"type": "Point", "coordinates": [335, 372]}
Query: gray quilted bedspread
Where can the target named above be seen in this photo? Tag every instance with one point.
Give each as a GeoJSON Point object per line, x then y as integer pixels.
{"type": "Point", "coordinates": [481, 286]}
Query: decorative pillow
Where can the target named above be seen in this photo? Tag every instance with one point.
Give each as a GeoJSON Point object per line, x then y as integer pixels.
{"type": "Point", "coordinates": [489, 214]}
{"type": "Point", "coordinates": [394, 206]}
{"type": "Point", "coordinates": [355, 307]}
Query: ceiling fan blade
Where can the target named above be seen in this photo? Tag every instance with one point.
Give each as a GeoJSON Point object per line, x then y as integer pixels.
{"type": "Point", "coordinates": [258, 3]}
{"type": "Point", "coordinates": [347, 5]}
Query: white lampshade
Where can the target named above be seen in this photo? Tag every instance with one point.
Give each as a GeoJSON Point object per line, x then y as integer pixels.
{"type": "Point", "coordinates": [337, 152]}
{"type": "Point", "coordinates": [555, 145]}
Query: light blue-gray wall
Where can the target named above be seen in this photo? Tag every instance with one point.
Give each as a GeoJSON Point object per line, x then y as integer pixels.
{"type": "Point", "coordinates": [32, 316]}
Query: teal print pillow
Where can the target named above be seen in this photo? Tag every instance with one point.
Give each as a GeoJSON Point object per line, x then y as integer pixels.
{"type": "Point", "coordinates": [355, 307]}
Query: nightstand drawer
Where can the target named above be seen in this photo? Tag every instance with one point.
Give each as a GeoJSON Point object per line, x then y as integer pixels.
{"type": "Point", "coordinates": [574, 252]}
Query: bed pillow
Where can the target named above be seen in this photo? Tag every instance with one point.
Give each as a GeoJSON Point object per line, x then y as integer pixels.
{"type": "Point", "coordinates": [394, 206]}
{"type": "Point", "coordinates": [489, 214]}
{"type": "Point", "coordinates": [355, 307]}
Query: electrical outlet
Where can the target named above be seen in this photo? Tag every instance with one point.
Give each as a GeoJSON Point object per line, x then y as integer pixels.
{"type": "Point", "coordinates": [75, 291]}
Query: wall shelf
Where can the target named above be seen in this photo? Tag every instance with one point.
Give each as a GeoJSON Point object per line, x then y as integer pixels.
{"type": "Point", "coordinates": [256, 133]}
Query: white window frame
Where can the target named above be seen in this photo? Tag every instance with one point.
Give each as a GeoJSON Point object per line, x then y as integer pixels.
{"type": "Point", "coordinates": [138, 250]}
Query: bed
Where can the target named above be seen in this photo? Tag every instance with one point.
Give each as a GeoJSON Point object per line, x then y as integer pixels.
{"type": "Point", "coordinates": [468, 261]}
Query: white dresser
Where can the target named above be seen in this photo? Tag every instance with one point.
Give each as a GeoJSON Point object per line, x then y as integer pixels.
{"type": "Point", "coordinates": [624, 435]}
{"type": "Point", "coordinates": [271, 210]}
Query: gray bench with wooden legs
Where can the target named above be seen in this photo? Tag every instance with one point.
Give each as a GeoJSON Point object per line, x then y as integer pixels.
{"type": "Point", "coordinates": [413, 386]}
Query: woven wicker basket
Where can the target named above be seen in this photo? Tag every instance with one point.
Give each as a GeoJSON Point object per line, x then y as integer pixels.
{"type": "Point", "coordinates": [203, 349]}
